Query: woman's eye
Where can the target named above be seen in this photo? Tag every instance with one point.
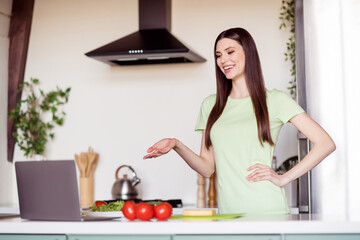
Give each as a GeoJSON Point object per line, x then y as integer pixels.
{"type": "Point", "coordinates": [217, 56]}
{"type": "Point", "coordinates": [230, 52]}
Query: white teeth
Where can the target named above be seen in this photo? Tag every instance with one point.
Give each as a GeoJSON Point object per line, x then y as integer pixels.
{"type": "Point", "coordinates": [228, 67]}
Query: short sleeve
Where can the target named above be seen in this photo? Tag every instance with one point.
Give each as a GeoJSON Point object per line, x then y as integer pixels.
{"type": "Point", "coordinates": [284, 106]}
{"type": "Point", "coordinates": [204, 113]}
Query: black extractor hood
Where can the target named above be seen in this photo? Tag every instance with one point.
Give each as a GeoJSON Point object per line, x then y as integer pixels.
{"type": "Point", "coordinates": [152, 44]}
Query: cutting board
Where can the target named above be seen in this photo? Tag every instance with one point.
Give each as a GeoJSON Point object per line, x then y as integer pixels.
{"type": "Point", "coordinates": [213, 217]}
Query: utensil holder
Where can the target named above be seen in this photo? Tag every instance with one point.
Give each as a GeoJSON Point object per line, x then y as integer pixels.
{"type": "Point", "coordinates": [86, 192]}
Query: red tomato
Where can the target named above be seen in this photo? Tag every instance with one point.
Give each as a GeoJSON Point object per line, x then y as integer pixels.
{"type": "Point", "coordinates": [128, 210]}
{"type": "Point", "coordinates": [99, 203]}
{"type": "Point", "coordinates": [144, 211]}
{"type": "Point", "coordinates": [163, 211]}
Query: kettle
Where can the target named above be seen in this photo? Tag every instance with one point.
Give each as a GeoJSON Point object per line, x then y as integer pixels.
{"type": "Point", "coordinates": [124, 188]}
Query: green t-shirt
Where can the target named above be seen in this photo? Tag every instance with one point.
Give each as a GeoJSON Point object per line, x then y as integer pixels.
{"type": "Point", "coordinates": [236, 145]}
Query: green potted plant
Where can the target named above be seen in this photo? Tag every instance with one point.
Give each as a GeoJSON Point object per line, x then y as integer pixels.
{"type": "Point", "coordinates": [36, 115]}
{"type": "Point", "coordinates": [287, 17]}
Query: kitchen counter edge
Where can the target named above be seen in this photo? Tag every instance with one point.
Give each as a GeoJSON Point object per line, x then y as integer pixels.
{"type": "Point", "coordinates": [266, 224]}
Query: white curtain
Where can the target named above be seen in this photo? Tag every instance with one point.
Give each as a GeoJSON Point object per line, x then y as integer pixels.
{"type": "Point", "coordinates": [332, 37]}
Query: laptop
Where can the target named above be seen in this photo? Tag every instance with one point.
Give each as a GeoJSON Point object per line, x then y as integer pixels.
{"type": "Point", "coordinates": [48, 190]}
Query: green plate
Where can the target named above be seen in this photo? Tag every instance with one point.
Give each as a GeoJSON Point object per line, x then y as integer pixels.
{"type": "Point", "coordinates": [215, 216]}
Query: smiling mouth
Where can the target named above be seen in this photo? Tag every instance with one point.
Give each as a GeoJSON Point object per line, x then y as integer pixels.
{"type": "Point", "coordinates": [228, 68]}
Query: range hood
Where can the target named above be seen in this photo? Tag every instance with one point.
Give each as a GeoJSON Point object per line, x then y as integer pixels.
{"type": "Point", "coordinates": [152, 44]}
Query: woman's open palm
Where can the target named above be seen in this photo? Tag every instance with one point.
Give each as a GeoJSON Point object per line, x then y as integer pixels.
{"type": "Point", "coordinates": [160, 148]}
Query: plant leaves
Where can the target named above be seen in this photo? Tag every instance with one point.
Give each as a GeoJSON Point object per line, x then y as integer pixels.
{"type": "Point", "coordinates": [31, 131]}
{"type": "Point", "coordinates": [287, 16]}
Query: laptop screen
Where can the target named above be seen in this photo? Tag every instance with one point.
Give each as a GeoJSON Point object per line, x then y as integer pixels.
{"type": "Point", "coordinates": [48, 190]}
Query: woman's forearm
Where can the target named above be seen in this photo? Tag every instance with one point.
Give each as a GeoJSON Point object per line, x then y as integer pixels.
{"type": "Point", "coordinates": [323, 145]}
{"type": "Point", "coordinates": [319, 152]}
{"type": "Point", "coordinates": [200, 164]}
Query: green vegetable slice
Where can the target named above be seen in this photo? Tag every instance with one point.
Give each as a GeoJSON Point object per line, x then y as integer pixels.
{"type": "Point", "coordinates": [111, 207]}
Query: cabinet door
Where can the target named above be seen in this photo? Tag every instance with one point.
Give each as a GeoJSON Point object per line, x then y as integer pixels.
{"type": "Point", "coordinates": [323, 237]}
{"type": "Point", "coordinates": [119, 237]}
{"type": "Point", "coordinates": [32, 237]}
{"type": "Point", "coordinates": [227, 237]}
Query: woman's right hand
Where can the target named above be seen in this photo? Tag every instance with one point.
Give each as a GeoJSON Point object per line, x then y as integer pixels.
{"type": "Point", "coordinates": [160, 148]}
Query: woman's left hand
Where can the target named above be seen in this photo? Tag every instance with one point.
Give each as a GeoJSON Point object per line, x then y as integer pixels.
{"type": "Point", "coordinates": [263, 172]}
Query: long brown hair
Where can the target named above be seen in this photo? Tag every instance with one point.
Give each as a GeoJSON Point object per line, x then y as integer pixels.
{"type": "Point", "coordinates": [254, 82]}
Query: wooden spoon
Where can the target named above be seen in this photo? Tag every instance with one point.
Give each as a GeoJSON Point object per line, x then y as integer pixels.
{"type": "Point", "coordinates": [91, 158]}
{"type": "Point", "coordinates": [78, 162]}
{"type": "Point", "coordinates": [93, 165]}
{"type": "Point", "coordinates": [84, 163]}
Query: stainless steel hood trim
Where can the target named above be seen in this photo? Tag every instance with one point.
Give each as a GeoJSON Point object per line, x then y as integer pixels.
{"type": "Point", "coordinates": [143, 59]}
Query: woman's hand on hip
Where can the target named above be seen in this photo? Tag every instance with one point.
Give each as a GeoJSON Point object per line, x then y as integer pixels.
{"type": "Point", "coordinates": [263, 172]}
{"type": "Point", "coordinates": [160, 148]}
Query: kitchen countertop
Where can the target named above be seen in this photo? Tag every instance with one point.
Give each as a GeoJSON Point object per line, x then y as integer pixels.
{"type": "Point", "coordinates": [250, 224]}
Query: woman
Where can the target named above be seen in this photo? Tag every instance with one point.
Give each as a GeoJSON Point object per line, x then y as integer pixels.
{"type": "Point", "coordinates": [240, 125]}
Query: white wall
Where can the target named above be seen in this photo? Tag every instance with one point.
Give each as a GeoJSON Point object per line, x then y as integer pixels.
{"type": "Point", "coordinates": [6, 173]}
{"type": "Point", "coordinates": [332, 36]}
{"type": "Point", "coordinates": [121, 111]}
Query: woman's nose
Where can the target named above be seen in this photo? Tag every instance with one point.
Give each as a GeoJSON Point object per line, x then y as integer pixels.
{"type": "Point", "coordinates": [223, 58]}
